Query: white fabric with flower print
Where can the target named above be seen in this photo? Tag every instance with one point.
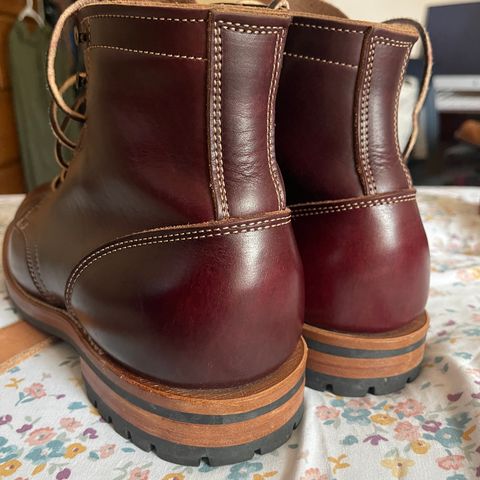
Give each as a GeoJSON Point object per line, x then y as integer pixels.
{"type": "Point", "coordinates": [428, 431]}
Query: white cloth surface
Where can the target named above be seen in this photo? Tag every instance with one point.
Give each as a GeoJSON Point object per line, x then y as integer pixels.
{"type": "Point", "coordinates": [428, 431]}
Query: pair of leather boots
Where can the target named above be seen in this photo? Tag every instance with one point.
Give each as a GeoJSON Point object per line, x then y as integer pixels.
{"type": "Point", "coordinates": [181, 260]}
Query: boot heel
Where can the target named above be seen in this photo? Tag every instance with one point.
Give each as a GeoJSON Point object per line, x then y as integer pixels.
{"type": "Point", "coordinates": [185, 426]}
{"type": "Point", "coordinates": [353, 365]}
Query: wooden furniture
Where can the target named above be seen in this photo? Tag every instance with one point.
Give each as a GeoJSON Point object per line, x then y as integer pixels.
{"type": "Point", "coordinates": [11, 175]}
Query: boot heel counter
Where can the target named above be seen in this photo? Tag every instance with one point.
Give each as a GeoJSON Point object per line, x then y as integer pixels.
{"type": "Point", "coordinates": [366, 262]}
{"type": "Point", "coordinates": [209, 305]}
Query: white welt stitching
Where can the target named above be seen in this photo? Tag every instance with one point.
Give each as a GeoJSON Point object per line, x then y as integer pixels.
{"type": "Point", "coordinates": [168, 238]}
{"type": "Point", "coordinates": [322, 27]}
{"type": "Point", "coordinates": [321, 60]}
{"type": "Point", "coordinates": [147, 52]}
{"type": "Point", "coordinates": [303, 211]}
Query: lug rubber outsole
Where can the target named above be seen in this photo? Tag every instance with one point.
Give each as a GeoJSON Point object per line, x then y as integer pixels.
{"type": "Point", "coordinates": [360, 387]}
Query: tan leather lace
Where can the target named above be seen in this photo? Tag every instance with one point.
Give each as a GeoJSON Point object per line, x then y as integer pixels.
{"type": "Point", "coordinates": [427, 75]}
{"type": "Point", "coordinates": [58, 101]}
{"type": "Point", "coordinates": [59, 131]}
{"type": "Point", "coordinates": [57, 93]}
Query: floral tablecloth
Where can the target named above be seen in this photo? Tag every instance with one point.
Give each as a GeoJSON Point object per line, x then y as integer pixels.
{"type": "Point", "coordinates": [430, 430]}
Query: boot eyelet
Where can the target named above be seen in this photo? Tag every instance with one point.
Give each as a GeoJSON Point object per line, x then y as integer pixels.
{"type": "Point", "coordinates": [79, 37]}
{"type": "Point", "coordinates": [80, 81]}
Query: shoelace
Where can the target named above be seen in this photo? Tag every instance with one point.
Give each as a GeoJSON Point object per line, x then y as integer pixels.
{"type": "Point", "coordinates": [58, 101]}
{"type": "Point", "coordinates": [427, 75]}
{"type": "Point", "coordinates": [59, 131]}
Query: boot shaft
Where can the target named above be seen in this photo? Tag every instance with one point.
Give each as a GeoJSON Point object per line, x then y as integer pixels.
{"type": "Point", "coordinates": [181, 102]}
{"type": "Point", "coordinates": [354, 213]}
{"type": "Point", "coordinates": [338, 107]}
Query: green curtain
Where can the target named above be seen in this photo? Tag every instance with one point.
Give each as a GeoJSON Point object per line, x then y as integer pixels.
{"type": "Point", "coordinates": [28, 52]}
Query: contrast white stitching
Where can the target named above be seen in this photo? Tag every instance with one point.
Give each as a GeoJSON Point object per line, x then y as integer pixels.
{"type": "Point", "coordinates": [168, 238]}
{"type": "Point", "coordinates": [270, 121]}
{"type": "Point", "coordinates": [147, 52]}
{"type": "Point", "coordinates": [249, 28]}
{"type": "Point", "coordinates": [319, 209]}
{"type": "Point", "coordinates": [321, 60]}
{"type": "Point", "coordinates": [140, 51]}
{"type": "Point", "coordinates": [323, 27]}
{"type": "Point", "coordinates": [139, 17]}
{"type": "Point", "coordinates": [217, 168]}
{"type": "Point", "coordinates": [217, 120]}
{"type": "Point", "coordinates": [392, 42]}
{"type": "Point", "coordinates": [364, 119]}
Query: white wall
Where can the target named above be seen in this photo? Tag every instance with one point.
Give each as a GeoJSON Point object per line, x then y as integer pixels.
{"type": "Point", "coordinates": [379, 10]}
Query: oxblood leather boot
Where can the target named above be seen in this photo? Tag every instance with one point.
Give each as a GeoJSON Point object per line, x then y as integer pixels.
{"type": "Point", "coordinates": [166, 255]}
{"type": "Point", "coordinates": [355, 216]}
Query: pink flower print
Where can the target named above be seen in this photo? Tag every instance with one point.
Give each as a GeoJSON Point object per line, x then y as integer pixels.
{"type": "Point", "coordinates": [70, 424]}
{"type": "Point", "coordinates": [406, 431]}
{"type": "Point", "coordinates": [4, 419]}
{"type": "Point", "coordinates": [326, 413]}
{"type": "Point", "coordinates": [375, 439]}
{"type": "Point", "coordinates": [107, 450]}
{"type": "Point", "coordinates": [431, 426]}
{"type": "Point", "coordinates": [139, 474]}
{"type": "Point", "coordinates": [359, 403]}
{"type": "Point", "coordinates": [313, 474]}
{"type": "Point", "coordinates": [35, 390]}
{"type": "Point", "coordinates": [410, 408]}
{"type": "Point", "coordinates": [63, 474]}
{"type": "Point", "coordinates": [40, 436]}
{"type": "Point", "coordinates": [90, 433]}
{"type": "Point", "coordinates": [24, 428]}
{"type": "Point", "coordinates": [451, 462]}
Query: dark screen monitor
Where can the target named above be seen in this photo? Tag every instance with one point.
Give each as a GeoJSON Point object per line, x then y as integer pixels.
{"type": "Point", "coordinates": [455, 34]}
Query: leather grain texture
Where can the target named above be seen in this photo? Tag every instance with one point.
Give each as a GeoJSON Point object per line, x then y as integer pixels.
{"type": "Point", "coordinates": [205, 303]}
{"type": "Point", "coordinates": [366, 262]}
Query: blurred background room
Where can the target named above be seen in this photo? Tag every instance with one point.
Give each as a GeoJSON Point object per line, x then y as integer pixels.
{"type": "Point", "coordinates": [447, 151]}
